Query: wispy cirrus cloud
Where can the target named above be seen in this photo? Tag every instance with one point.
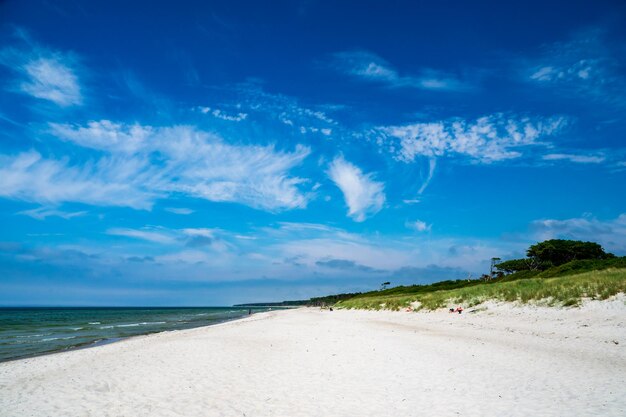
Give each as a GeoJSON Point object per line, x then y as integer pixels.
{"type": "Point", "coordinates": [252, 100]}
{"type": "Point", "coordinates": [179, 210]}
{"type": "Point", "coordinates": [488, 139]}
{"type": "Point", "coordinates": [194, 238]}
{"type": "Point", "coordinates": [577, 158]}
{"type": "Point", "coordinates": [41, 213]}
{"type": "Point", "coordinates": [52, 79]}
{"type": "Point", "coordinates": [104, 135]}
{"type": "Point", "coordinates": [363, 195]}
{"type": "Point", "coordinates": [370, 67]}
{"type": "Point", "coordinates": [149, 235]}
{"type": "Point", "coordinates": [135, 164]}
{"type": "Point", "coordinates": [418, 226]}
{"type": "Point", "coordinates": [586, 65]}
{"type": "Point", "coordinates": [29, 176]}
{"type": "Point", "coordinates": [200, 164]}
{"type": "Point", "coordinates": [44, 73]}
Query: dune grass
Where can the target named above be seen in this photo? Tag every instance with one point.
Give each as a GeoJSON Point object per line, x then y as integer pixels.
{"type": "Point", "coordinates": [566, 290]}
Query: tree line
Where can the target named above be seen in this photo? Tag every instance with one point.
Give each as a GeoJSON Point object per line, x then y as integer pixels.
{"type": "Point", "coordinates": [554, 252]}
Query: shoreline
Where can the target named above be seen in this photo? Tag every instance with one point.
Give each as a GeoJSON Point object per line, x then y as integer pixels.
{"type": "Point", "coordinates": [108, 341]}
{"type": "Point", "coordinates": [504, 360]}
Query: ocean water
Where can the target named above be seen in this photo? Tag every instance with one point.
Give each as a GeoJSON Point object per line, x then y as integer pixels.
{"type": "Point", "coordinates": [33, 331]}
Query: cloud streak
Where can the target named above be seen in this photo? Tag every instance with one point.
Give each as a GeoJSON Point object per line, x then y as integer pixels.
{"type": "Point", "coordinates": [585, 65]}
{"type": "Point", "coordinates": [364, 196]}
{"type": "Point", "coordinates": [580, 159]}
{"type": "Point", "coordinates": [135, 165]}
{"type": "Point", "coordinates": [41, 213]}
{"type": "Point", "coordinates": [369, 67]}
{"type": "Point", "coordinates": [29, 176]}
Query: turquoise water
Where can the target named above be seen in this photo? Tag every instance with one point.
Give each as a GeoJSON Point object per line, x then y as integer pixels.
{"type": "Point", "coordinates": [33, 331]}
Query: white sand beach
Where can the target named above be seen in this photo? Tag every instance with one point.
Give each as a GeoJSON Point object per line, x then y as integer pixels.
{"type": "Point", "coordinates": [504, 361]}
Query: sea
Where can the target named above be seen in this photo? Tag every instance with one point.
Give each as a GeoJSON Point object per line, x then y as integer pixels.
{"type": "Point", "coordinates": [26, 332]}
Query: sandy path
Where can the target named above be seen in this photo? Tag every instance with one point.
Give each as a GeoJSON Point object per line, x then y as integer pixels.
{"type": "Point", "coordinates": [502, 362]}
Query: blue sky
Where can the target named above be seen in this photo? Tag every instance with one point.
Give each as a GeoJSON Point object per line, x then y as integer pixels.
{"type": "Point", "coordinates": [210, 153]}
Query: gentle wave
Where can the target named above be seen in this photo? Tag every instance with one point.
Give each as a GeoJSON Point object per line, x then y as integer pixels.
{"type": "Point", "coordinates": [57, 338]}
{"type": "Point", "coordinates": [144, 323]}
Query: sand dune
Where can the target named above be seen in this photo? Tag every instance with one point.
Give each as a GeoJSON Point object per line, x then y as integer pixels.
{"type": "Point", "coordinates": [504, 361]}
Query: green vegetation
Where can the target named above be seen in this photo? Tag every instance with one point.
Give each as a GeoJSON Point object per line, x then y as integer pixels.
{"type": "Point", "coordinates": [555, 252]}
{"type": "Point", "coordinates": [563, 290]}
{"type": "Point", "coordinates": [583, 265]}
{"type": "Point", "coordinates": [555, 272]}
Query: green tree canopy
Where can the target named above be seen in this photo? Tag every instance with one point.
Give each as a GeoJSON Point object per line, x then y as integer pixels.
{"type": "Point", "coordinates": [556, 252]}
{"type": "Point", "coordinates": [514, 265]}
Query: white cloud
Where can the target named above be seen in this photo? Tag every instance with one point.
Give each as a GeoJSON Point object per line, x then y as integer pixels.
{"type": "Point", "coordinates": [52, 79]}
{"type": "Point", "coordinates": [221, 114]}
{"type": "Point", "coordinates": [139, 164]}
{"type": "Point", "coordinates": [363, 195]}
{"type": "Point", "coordinates": [105, 135]}
{"type": "Point", "coordinates": [179, 210]}
{"type": "Point", "coordinates": [418, 226]}
{"type": "Point", "coordinates": [148, 234]}
{"type": "Point", "coordinates": [611, 234]}
{"type": "Point", "coordinates": [41, 213]}
{"type": "Point", "coordinates": [432, 164]}
{"type": "Point", "coordinates": [287, 110]}
{"type": "Point", "coordinates": [488, 139]}
{"type": "Point", "coordinates": [198, 240]}
{"type": "Point", "coordinates": [581, 159]}
{"type": "Point", "coordinates": [107, 182]}
{"type": "Point", "coordinates": [44, 74]}
{"type": "Point", "coordinates": [586, 64]}
{"type": "Point", "coordinates": [199, 232]}
{"type": "Point", "coordinates": [370, 67]}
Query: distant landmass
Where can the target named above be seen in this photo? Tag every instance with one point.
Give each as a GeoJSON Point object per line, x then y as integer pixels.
{"type": "Point", "coordinates": [311, 302]}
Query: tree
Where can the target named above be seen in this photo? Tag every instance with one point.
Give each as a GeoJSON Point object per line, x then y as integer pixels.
{"type": "Point", "coordinates": [556, 252]}
{"type": "Point", "coordinates": [514, 265]}
{"type": "Point", "coordinates": [494, 262]}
